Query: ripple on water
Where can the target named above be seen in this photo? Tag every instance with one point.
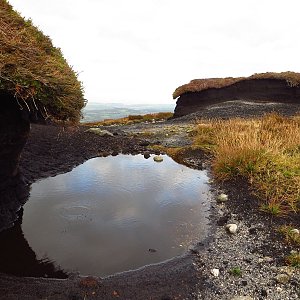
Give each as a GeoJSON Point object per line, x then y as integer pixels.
{"type": "Point", "coordinates": [105, 215]}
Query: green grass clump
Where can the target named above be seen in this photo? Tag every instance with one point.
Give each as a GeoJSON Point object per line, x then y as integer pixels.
{"type": "Point", "coordinates": [35, 71]}
{"type": "Point", "coordinates": [198, 85]}
{"type": "Point", "coordinates": [236, 271]}
{"type": "Point", "coordinates": [265, 150]}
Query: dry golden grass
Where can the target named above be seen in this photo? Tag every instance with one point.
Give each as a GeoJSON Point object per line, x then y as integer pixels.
{"type": "Point", "coordinates": [132, 119]}
{"type": "Point", "coordinates": [266, 151]}
{"type": "Point", "coordinates": [33, 70]}
{"type": "Point", "coordinates": [197, 85]}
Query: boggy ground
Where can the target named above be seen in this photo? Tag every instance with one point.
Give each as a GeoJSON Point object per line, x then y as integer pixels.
{"type": "Point", "coordinates": [256, 249]}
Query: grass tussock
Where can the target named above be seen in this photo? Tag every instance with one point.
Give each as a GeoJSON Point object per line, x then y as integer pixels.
{"type": "Point", "coordinates": [35, 71]}
{"type": "Point", "coordinates": [132, 119]}
{"type": "Point", "coordinates": [266, 151]}
{"type": "Point", "coordinates": [197, 85]}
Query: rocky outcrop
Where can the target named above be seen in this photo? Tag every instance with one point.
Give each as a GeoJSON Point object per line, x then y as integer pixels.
{"type": "Point", "coordinates": [256, 90]}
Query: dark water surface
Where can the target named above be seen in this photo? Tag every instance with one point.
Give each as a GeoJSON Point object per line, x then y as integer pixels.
{"type": "Point", "coordinates": [115, 214]}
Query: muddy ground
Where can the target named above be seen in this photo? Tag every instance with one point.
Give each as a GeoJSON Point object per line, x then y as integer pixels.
{"type": "Point", "coordinates": [52, 150]}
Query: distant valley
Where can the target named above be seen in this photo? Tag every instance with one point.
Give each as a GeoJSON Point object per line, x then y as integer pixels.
{"type": "Point", "coordinates": [101, 111]}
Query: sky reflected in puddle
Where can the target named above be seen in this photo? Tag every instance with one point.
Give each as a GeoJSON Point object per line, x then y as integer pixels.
{"type": "Point", "coordinates": [116, 213]}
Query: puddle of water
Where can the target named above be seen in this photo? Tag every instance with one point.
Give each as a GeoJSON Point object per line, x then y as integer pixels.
{"type": "Point", "coordinates": [115, 214]}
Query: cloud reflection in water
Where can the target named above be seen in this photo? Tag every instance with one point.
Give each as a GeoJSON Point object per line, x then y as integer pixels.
{"type": "Point", "coordinates": [105, 215]}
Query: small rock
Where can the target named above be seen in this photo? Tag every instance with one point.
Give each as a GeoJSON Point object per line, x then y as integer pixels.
{"type": "Point", "coordinates": [279, 289]}
{"type": "Point", "coordinates": [158, 158]}
{"type": "Point", "coordinates": [100, 132]}
{"type": "Point", "coordinates": [222, 198]}
{"type": "Point", "coordinates": [231, 228]}
{"type": "Point", "coordinates": [151, 250]}
{"type": "Point", "coordinates": [295, 231]}
{"type": "Point", "coordinates": [268, 259]}
{"type": "Point", "coordinates": [215, 272]}
{"type": "Point", "coordinates": [146, 154]}
{"type": "Point", "coordinates": [115, 153]}
{"type": "Point", "coordinates": [282, 278]}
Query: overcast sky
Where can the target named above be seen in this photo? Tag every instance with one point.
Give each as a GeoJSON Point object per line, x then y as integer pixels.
{"type": "Point", "coordinates": [139, 51]}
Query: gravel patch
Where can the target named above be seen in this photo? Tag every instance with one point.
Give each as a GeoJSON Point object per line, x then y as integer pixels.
{"type": "Point", "coordinates": [250, 262]}
{"type": "Point", "coordinates": [243, 109]}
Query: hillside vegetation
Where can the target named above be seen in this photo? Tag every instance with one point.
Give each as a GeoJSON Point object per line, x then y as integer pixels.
{"type": "Point", "coordinates": [198, 85]}
{"type": "Point", "coordinates": [35, 71]}
{"type": "Point", "coordinates": [133, 119]}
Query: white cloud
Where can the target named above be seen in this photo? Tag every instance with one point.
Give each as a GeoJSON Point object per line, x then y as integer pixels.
{"type": "Point", "coordinates": [140, 51]}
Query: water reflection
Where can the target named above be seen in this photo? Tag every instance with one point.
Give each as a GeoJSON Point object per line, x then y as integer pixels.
{"type": "Point", "coordinates": [14, 192]}
{"type": "Point", "coordinates": [105, 215]}
{"type": "Point", "coordinates": [16, 256]}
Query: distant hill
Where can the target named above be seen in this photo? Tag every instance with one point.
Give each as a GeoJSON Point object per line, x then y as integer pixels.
{"type": "Point", "coordinates": [101, 111]}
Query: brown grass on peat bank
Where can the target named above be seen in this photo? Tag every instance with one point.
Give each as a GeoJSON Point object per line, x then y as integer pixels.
{"type": "Point", "coordinates": [198, 85]}
{"type": "Point", "coordinates": [265, 150]}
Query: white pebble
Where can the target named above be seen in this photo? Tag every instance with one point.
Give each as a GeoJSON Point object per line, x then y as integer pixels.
{"type": "Point", "coordinates": [295, 231]}
{"type": "Point", "coordinates": [158, 158]}
{"type": "Point", "coordinates": [215, 272]}
{"type": "Point", "coordinates": [232, 228]}
{"type": "Point", "coordinates": [222, 197]}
